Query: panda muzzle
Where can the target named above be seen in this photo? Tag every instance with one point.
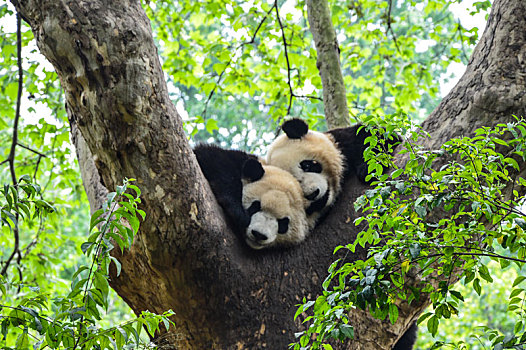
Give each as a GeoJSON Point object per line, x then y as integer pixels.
{"type": "Point", "coordinates": [258, 236]}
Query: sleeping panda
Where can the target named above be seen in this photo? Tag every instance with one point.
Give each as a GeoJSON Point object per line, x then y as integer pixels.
{"type": "Point", "coordinates": [320, 161]}
{"type": "Point", "coordinates": [264, 204]}
{"type": "Point", "coordinates": [275, 204]}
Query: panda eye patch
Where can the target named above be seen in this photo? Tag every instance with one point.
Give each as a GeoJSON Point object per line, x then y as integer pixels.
{"type": "Point", "coordinates": [283, 225]}
{"type": "Point", "coordinates": [254, 207]}
{"type": "Point", "coordinates": [311, 166]}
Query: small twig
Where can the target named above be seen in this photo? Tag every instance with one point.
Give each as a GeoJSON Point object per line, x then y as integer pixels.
{"type": "Point", "coordinates": [11, 157]}
{"type": "Point", "coordinates": [250, 42]}
{"type": "Point", "coordinates": [390, 28]}
{"type": "Point", "coordinates": [14, 142]}
{"type": "Point", "coordinates": [286, 56]}
{"type": "Point", "coordinates": [30, 149]}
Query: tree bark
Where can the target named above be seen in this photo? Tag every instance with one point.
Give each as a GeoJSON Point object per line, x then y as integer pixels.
{"type": "Point", "coordinates": [328, 63]}
{"type": "Point", "coordinates": [185, 258]}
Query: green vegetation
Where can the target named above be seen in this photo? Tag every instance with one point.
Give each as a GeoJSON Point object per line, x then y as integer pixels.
{"type": "Point", "coordinates": [406, 239]}
{"type": "Point", "coordinates": [237, 68]}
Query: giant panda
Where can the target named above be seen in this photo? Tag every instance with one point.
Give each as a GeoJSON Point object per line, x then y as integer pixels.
{"type": "Point", "coordinates": [264, 204]}
{"type": "Point", "coordinates": [320, 161]}
{"type": "Point", "coordinates": [275, 204]}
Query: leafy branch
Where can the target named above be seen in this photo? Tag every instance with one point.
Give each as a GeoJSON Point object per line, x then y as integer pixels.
{"type": "Point", "coordinates": [71, 321]}
{"type": "Point", "coordinates": [405, 240]}
{"type": "Point", "coordinates": [249, 42]}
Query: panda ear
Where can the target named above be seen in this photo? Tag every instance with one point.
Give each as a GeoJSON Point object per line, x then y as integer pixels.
{"type": "Point", "coordinates": [253, 170]}
{"type": "Point", "coordinates": [295, 128]}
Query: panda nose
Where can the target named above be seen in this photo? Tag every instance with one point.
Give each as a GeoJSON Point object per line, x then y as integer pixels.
{"type": "Point", "coordinates": [313, 195]}
{"type": "Point", "coordinates": [258, 235]}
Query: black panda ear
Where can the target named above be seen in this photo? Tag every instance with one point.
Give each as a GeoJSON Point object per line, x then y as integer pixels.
{"type": "Point", "coordinates": [295, 128]}
{"type": "Point", "coordinates": [253, 170]}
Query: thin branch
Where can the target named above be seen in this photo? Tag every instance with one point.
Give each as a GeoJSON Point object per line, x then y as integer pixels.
{"type": "Point", "coordinates": [14, 142]}
{"type": "Point", "coordinates": [11, 157]}
{"type": "Point", "coordinates": [286, 56]}
{"type": "Point", "coordinates": [30, 149]}
{"type": "Point", "coordinates": [251, 41]}
{"type": "Point", "coordinates": [390, 28]}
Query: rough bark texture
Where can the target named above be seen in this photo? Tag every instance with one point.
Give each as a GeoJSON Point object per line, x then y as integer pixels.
{"type": "Point", "coordinates": [185, 258]}
{"type": "Point", "coordinates": [328, 63]}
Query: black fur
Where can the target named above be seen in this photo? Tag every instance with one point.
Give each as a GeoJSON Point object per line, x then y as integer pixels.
{"type": "Point", "coordinates": [408, 339]}
{"type": "Point", "coordinates": [351, 142]}
{"type": "Point", "coordinates": [253, 170]}
{"type": "Point", "coordinates": [295, 128]}
{"type": "Point", "coordinates": [318, 205]}
{"type": "Point", "coordinates": [223, 170]}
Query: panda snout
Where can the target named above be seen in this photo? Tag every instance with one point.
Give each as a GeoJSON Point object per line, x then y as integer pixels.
{"type": "Point", "coordinates": [258, 235]}
{"type": "Point", "coordinates": [313, 195]}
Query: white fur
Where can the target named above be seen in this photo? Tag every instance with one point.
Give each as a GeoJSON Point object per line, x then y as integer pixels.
{"type": "Point", "coordinates": [266, 224]}
{"type": "Point", "coordinates": [280, 196]}
{"type": "Point", "coordinates": [287, 154]}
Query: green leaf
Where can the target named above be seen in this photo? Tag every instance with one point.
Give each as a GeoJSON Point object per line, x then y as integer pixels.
{"type": "Point", "coordinates": [393, 313]}
{"type": "Point", "coordinates": [95, 218]}
{"type": "Point", "coordinates": [423, 317]}
{"type": "Point", "coordinates": [117, 265]}
{"type": "Point", "coordinates": [456, 294]}
{"type": "Point", "coordinates": [85, 246]}
{"type": "Point", "coordinates": [414, 250]}
{"type": "Point", "coordinates": [347, 331]}
{"type": "Point", "coordinates": [432, 325]}
{"type": "Point", "coordinates": [101, 283]}
{"type": "Point", "coordinates": [518, 280]}
{"type": "Point", "coordinates": [476, 286]}
{"type": "Point", "coordinates": [22, 342]}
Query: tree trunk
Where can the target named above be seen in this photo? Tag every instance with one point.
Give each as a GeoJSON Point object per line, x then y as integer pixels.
{"type": "Point", "coordinates": [328, 63]}
{"type": "Point", "coordinates": [185, 258]}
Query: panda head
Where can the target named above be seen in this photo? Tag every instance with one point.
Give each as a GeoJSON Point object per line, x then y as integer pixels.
{"type": "Point", "coordinates": [274, 202]}
{"type": "Point", "coordinates": [313, 159]}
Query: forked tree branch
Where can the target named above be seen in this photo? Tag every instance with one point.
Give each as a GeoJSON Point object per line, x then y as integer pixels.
{"type": "Point", "coordinates": [185, 257]}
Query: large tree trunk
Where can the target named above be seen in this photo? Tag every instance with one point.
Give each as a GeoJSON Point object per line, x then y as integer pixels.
{"type": "Point", "coordinates": [185, 258]}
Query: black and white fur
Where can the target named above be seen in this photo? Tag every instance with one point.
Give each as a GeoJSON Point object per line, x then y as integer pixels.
{"type": "Point", "coordinates": [274, 200]}
{"type": "Point", "coordinates": [264, 204]}
{"type": "Point", "coordinates": [321, 162]}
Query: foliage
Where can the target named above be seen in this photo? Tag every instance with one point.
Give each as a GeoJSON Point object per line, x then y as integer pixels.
{"type": "Point", "coordinates": [394, 51]}
{"type": "Point", "coordinates": [233, 66]}
{"type": "Point", "coordinates": [32, 317]}
{"type": "Point", "coordinates": [466, 177]}
{"type": "Point", "coordinates": [237, 65]}
{"type": "Point", "coordinates": [478, 312]}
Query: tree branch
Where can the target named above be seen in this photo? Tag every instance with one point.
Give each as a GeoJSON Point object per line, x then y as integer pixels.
{"type": "Point", "coordinates": [251, 41]}
{"type": "Point", "coordinates": [117, 102]}
{"type": "Point", "coordinates": [14, 142]}
{"type": "Point", "coordinates": [328, 63]}
{"type": "Point", "coordinates": [390, 28]}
